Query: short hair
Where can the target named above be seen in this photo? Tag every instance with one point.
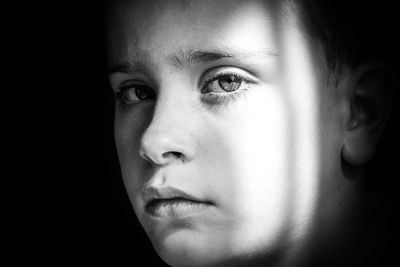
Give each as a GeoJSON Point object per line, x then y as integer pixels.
{"type": "Point", "coordinates": [350, 31]}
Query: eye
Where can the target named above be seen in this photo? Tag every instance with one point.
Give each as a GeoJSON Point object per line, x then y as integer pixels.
{"type": "Point", "coordinates": [131, 94]}
{"type": "Point", "coordinates": [224, 83]}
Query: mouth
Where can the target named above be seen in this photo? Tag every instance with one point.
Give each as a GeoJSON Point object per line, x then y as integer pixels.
{"type": "Point", "coordinates": [175, 207]}
{"type": "Point", "coordinates": [173, 203]}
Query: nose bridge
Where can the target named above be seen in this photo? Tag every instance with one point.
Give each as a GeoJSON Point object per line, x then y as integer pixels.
{"type": "Point", "coordinates": [167, 109]}
{"type": "Point", "coordinates": [168, 136]}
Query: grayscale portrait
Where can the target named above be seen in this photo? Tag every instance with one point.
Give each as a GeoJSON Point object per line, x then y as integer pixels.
{"type": "Point", "coordinates": [247, 132]}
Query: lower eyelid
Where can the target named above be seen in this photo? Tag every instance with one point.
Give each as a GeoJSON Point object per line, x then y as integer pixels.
{"type": "Point", "coordinates": [221, 99]}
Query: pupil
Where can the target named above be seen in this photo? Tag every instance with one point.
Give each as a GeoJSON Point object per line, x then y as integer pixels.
{"type": "Point", "coordinates": [142, 93]}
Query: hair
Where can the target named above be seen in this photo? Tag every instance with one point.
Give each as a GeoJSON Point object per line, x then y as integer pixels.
{"type": "Point", "coordinates": [350, 31]}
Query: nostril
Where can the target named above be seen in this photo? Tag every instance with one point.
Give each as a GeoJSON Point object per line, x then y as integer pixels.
{"type": "Point", "coordinates": [173, 154]}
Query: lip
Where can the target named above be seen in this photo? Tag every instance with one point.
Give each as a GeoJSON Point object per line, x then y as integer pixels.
{"type": "Point", "coordinates": [172, 202]}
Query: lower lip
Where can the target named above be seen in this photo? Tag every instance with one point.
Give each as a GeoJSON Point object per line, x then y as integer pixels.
{"type": "Point", "coordinates": [175, 208]}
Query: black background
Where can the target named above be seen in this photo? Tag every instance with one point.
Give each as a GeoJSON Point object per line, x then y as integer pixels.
{"type": "Point", "coordinates": [64, 200]}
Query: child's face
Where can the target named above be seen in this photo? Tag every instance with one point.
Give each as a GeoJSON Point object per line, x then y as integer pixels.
{"type": "Point", "coordinates": [226, 102]}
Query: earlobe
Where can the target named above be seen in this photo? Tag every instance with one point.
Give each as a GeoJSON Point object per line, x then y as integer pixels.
{"type": "Point", "coordinates": [371, 90]}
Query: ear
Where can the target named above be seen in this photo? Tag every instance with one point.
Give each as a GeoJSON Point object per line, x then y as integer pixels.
{"type": "Point", "coordinates": [370, 91]}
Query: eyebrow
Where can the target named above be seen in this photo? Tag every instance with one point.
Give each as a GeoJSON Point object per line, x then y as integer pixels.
{"type": "Point", "coordinates": [192, 57]}
{"type": "Point", "coordinates": [188, 58]}
{"type": "Point", "coordinates": [127, 67]}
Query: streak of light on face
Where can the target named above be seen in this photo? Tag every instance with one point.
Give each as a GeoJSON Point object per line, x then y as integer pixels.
{"type": "Point", "coordinates": [300, 77]}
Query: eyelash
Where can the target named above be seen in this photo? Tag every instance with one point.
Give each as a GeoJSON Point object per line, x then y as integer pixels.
{"type": "Point", "coordinates": [211, 99]}
{"type": "Point", "coordinates": [119, 95]}
{"type": "Point", "coordinates": [215, 100]}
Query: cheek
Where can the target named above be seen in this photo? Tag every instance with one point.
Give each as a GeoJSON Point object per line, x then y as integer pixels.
{"type": "Point", "coordinates": [248, 159]}
{"type": "Point", "coordinates": [128, 129]}
{"type": "Point", "coordinates": [129, 126]}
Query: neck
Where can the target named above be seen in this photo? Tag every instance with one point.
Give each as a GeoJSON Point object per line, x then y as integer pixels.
{"type": "Point", "coordinates": [357, 238]}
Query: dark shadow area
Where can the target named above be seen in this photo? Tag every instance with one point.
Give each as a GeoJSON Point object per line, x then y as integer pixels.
{"type": "Point", "coordinates": [113, 232]}
{"type": "Point", "coordinates": [371, 28]}
{"type": "Point", "coordinates": [65, 201]}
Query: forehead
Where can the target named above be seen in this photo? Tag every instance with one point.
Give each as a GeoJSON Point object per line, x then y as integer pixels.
{"type": "Point", "coordinates": [152, 29]}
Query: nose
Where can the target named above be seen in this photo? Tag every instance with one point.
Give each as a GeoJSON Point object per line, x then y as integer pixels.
{"type": "Point", "coordinates": [168, 138]}
{"type": "Point", "coordinates": [163, 147]}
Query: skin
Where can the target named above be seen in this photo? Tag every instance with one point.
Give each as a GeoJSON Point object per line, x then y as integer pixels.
{"type": "Point", "coordinates": [268, 157]}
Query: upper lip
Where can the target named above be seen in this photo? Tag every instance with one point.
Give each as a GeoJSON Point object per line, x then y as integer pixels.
{"type": "Point", "coordinates": [152, 193]}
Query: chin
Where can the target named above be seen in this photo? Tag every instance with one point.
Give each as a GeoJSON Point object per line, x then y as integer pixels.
{"type": "Point", "coordinates": [189, 248]}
